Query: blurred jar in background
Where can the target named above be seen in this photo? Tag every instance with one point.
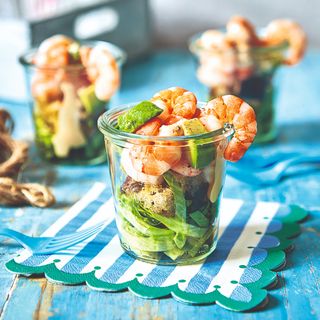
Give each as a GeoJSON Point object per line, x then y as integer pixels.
{"type": "Point", "coordinates": [237, 61]}
{"type": "Point", "coordinates": [70, 85]}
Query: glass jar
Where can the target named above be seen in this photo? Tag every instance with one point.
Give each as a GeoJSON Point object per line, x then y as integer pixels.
{"type": "Point", "coordinates": [247, 73]}
{"type": "Point", "coordinates": [171, 218]}
{"type": "Point", "coordinates": [65, 109]}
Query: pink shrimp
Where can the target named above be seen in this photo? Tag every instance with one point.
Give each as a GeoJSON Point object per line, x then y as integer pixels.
{"type": "Point", "coordinates": [51, 55]}
{"type": "Point", "coordinates": [172, 119]}
{"type": "Point", "coordinates": [285, 30]}
{"type": "Point", "coordinates": [214, 40]}
{"type": "Point", "coordinates": [127, 165]}
{"type": "Point", "coordinates": [150, 128]}
{"type": "Point", "coordinates": [210, 122]}
{"type": "Point", "coordinates": [45, 87]}
{"type": "Point", "coordinates": [184, 168]}
{"type": "Point", "coordinates": [53, 52]}
{"type": "Point", "coordinates": [172, 130]}
{"type": "Point", "coordinates": [233, 110]}
{"type": "Point", "coordinates": [177, 101]}
{"type": "Point", "coordinates": [102, 70]}
{"type": "Point", "coordinates": [154, 160]}
{"type": "Point", "coordinates": [145, 160]}
{"type": "Point", "coordinates": [158, 158]}
{"type": "Point", "coordinates": [241, 32]}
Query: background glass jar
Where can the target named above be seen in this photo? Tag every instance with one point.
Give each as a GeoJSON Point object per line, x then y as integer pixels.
{"type": "Point", "coordinates": [65, 109]}
{"type": "Point", "coordinates": [169, 218]}
{"type": "Point", "coordinates": [247, 73]}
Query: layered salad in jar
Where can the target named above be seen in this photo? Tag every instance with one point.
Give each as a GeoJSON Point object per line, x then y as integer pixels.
{"type": "Point", "coordinates": [242, 61]}
{"type": "Point", "coordinates": [71, 85]}
{"type": "Point", "coordinates": [166, 161]}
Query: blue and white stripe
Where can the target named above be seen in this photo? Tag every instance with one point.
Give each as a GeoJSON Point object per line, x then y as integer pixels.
{"type": "Point", "coordinates": [241, 225]}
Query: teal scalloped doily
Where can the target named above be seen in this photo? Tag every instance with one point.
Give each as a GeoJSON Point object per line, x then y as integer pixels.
{"type": "Point", "coordinates": [252, 242]}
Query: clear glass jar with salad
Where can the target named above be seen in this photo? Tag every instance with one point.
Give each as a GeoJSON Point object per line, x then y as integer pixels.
{"type": "Point", "coordinates": [240, 61]}
{"type": "Point", "coordinates": [167, 166]}
{"type": "Point", "coordinates": [70, 85]}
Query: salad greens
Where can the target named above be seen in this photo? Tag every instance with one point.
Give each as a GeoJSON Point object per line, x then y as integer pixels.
{"type": "Point", "coordinates": [200, 219]}
{"type": "Point", "coordinates": [179, 200]}
{"type": "Point", "coordinates": [186, 234]}
{"type": "Point", "coordinates": [89, 99]}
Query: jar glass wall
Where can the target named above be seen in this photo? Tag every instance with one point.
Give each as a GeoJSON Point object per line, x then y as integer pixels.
{"type": "Point", "coordinates": [172, 218]}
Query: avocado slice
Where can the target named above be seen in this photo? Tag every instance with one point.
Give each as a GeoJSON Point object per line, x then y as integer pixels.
{"type": "Point", "coordinates": [89, 99]}
{"type": "Point", "coordinates": [138, 115]}
{"type": "Point", "coordinates": [201, 151]}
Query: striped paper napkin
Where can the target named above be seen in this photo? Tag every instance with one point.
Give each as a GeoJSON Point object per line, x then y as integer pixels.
{"type": "Point", "coordinates": [252, 240]}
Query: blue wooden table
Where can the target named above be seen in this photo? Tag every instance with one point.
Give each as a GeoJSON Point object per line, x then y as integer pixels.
{"type": "Point", "coordinates": [297, 295]}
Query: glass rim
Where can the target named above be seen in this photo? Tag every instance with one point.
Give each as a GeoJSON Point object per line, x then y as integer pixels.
{"type": "Point", "coordinates": [105, 125]}
{"type": "Point", "coordinates": [119, 54]}
{"type": "Point", "coordinates": [196, 48]}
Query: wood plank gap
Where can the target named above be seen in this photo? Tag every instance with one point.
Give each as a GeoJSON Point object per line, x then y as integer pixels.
{"type": "Point", "coordinates": [9, 294]}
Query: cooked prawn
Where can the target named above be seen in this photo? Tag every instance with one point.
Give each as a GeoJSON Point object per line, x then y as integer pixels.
{"type": "Point", "coordinates": [169, 151]}
{"type": "Point", "coordinates": [178, 101]}
{"type": "Point", "coordinates": [184, 168]}
{"type": "Point", "coordinates": [233, 110]}
{"type": "Point", "coordinates": [172, 119]}
{"type": "Point", "coordinates": [145, 160]}
{"type": "Point", "coordinates": [127, 165]}
{"type": "Point", "coordinates": [212, 40]}
{"type": "Point", "coordinates": [159, 158]}
{"type": "Point", "coordinates": [53, 52]}
{"type": "Point", "coordinates": [241, 32]}
{"type": "Point", "coordinates": [150, 128]}
{"type": "Point", "coordinates": [213, 77]}
{"type": "Point", "coordinates": [102, 70]}
{"type": "Point", "coordinates": [285, 30]}
{"type": "Point", "coordinates": [45, 87]}
{"type": "Point", "coordinates": [218, 65]}
{"type": "Point", "coordinates": [51, 61]}
{"type": "Point", "coordinates": [172, 130]}
{"type": "Point", "coordinates": [210, 122]}
{"type": "Point", "coordinates": [155, 159]}
{"type": "Point", "coordinates": [166, 114]}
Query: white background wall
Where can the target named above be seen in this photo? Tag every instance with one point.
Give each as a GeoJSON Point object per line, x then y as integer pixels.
{"type": "Point", "coordinates": [176, 20]}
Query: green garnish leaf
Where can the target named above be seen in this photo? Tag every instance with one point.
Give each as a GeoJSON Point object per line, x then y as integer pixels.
{"type": "Point", "coordinates": [138, 115]}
